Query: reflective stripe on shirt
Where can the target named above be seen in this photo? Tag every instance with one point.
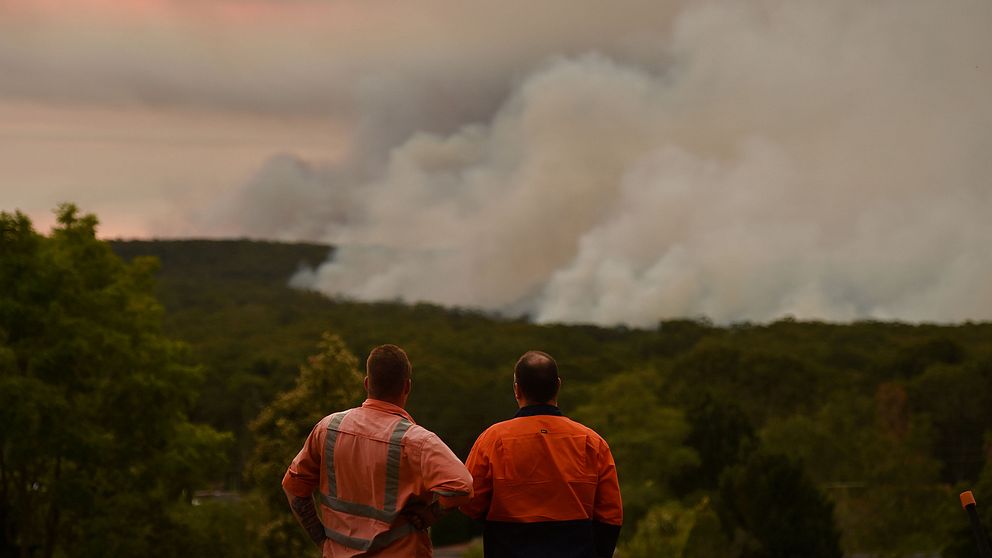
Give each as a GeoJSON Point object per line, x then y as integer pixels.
{"type": "Point", "coordinates": [380, 541]}
{"type": "Point", "coordinates": [388, 512]}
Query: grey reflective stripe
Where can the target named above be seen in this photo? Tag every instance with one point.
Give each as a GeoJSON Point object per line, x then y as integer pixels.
{"type": "Point", "coordinates": [386, 515]}
{"type": "Point", "coordinates": [451, 493]}
{"type": "Point", "coordinates": [393, 465]}
{"type": "Point", "coordinates": [329, 443]}
{"type": "Point", "coordinates": [355, 508]}
{"type": "Point", "coordinates": [380, 541]}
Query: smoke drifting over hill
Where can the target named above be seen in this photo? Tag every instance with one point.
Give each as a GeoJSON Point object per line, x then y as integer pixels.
{"type": "Point", "coordinates": [825, 160]}
{"type": "Point", "coordinates": [741, 161]}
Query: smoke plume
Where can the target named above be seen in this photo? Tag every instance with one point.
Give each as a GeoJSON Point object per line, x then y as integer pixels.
{"type": "Point", "coordinates": [821, 160]}
{"type": "Point", "coordinates": [737, 160]}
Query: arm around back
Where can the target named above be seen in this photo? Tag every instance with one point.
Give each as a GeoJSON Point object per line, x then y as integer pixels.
{"type": "Point", "coordinates": [482, 480]}
{"type": "Point", "coordinates": [444, 474]}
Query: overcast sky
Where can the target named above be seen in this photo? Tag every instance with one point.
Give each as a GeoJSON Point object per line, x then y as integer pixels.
{"type": "Point", "coordinates": [578, 161]}
{"type": "Point", "coordinates": [145, 111]}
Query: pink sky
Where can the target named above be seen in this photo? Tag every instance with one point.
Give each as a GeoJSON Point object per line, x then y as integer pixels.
{"type": "Point", "coordinates": [141, 166]}
{"type": "Point", "coordinates": [142, 169]}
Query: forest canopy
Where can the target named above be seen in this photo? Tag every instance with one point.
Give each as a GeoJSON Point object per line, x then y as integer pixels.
{"type": "Point", "coordinates": [882, 421]}
{"type": "Point", "coordinates": [187, 365]}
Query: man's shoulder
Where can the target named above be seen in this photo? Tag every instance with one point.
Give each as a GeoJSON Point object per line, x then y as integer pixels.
{"type": "Point", "coordinates": [417, 433]}
{"type": "Point", "coordinates": [493, 433]}
{"type": "Point", "coordinates": [337, 416]}
{"type": "Point", "coordinates": [419, 442]}
{"type": "Point", "coordinates": [574, 427]}
{"type": "Point", "coordinates": [516, 424]}
{"type": "Point", "coordinates": [336, 421]}
{"type": "Point", "coordinates": [500, 427]}
{"type": "Point", "coordinates": [581, 426]}
{"type": "Point", "coordinates": [516, 427]}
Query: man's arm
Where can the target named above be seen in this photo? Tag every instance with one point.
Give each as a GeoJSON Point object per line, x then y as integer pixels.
{"type": "Point", "coordinates": [482, 480]}
{"type": "Point", "coordinates": [306, 515]}
{"type": "Point", "coordinates": [444, 474]}
{"type": "Point", "coordinates": [302, 478]}
{"type": "Point", "coordinates": [608, 508]}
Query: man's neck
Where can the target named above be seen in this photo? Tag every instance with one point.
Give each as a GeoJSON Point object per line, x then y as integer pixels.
{"type": "Point", "coordinates": [538, 409]}
{"type": "Point", "coordinates": [401, 403]}
{"type": "Point", "coordinates": [521, 403]}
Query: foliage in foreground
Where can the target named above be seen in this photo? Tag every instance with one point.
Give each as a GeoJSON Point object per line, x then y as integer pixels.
{"type": "Point", "coordinates": [97, 449]}
{"type": "Point", "coordinates": [328, 382]}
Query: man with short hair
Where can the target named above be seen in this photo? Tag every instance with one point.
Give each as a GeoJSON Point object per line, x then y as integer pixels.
{"type": "Point", "coordinates": [545, 485]}
{"type": "Point", "coordinates": [382, 478]}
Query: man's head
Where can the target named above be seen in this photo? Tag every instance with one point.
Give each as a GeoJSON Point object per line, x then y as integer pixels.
{"type": "Point", "coordinates": [388, 372]}
{"type": "Point", "coordinates": [535, 378]}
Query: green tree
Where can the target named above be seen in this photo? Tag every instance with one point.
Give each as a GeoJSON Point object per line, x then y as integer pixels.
{"type": "Point", "coordinates": [96, 444]}
{"type": "Point", "coordinates": [777, 511]}
{"type": "Point", "coordinates": [961, 539]}
{"type": "Point", "coordinates": [874, 458]}
{"type": "Point", "coordinates": [720, 434]}
{"type": "Point", "coordinates": [329, 381]}
{"type": "Point", "coordinates": [645, 437]}
{"type": "Point", "coordinates": [670, 530]}
{"type": "Point", "coordinates": [958, 399]}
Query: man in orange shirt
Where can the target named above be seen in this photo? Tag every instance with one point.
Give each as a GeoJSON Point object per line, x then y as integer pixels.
{"type": "Point", "coordinates": [382, 478]}
{"type": "Point", "coordinates": [545, 485]}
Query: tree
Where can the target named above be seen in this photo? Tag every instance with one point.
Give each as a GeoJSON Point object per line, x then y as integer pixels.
{"type": "Point", "coordinates": [958, 398]}
{"type": "Point", "coordinates": [328, 381]}
{"type": "Point", "coordinates": [645, 437]}
{"type": "Point", "coordinates": [961, 539]}
{"type": "Point", "coordinates": [720, 434]}
{"type": "Point", "coordinates": [96, 444]}
{"type": "Point", "coordinates": [777, 510]}
{"type": "Point", "coordinates": [670, 530]}
{"type": "Point", "coordinates": [874, 458]}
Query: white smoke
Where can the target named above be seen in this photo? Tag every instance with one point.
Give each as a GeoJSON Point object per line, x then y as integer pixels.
{"type": "Point", "coordinates": [739, 160]}
{"type": "Point", "coordinates": [824, 160]}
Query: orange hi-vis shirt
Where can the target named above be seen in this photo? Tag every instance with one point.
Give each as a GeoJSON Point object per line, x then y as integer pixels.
{"type": "Point", "coordinates": [543, 468]}
{"type": "Point", "coordinates": [368, 463]}
{"type": "Point", "coordinates": [537, 478]}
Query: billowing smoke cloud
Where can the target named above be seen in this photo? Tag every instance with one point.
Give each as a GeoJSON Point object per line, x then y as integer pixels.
{"type": "Point", "coordinates": [825, 160]}
{"type": "Point", "coordinates": [741, 161]}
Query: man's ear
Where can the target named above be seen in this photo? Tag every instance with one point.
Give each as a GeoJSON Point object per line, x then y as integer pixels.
{"type": "Point", "coordinates": [366, 383]}
{"type": "Point", "coordinates": [408, 386]}
{"type": "Point", "coordinates": [516, 391]}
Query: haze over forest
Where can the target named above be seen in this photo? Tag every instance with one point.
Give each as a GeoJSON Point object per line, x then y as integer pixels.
{"type": "Point", "coordinates": [739, 161]}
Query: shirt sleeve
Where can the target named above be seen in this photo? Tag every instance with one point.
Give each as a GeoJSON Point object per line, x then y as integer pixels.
{"type": "Point", "coordinates": [482, 480]}
{"type": "Point", "coordinates": [608, 508]}
{"type": "Point", "coordinates": [302, 477]}
{"type": "Point", "coordinates": [444, 474]}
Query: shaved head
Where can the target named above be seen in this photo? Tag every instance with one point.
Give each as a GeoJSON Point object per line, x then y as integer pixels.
{"type": "Point", "coordinates": [536, 375]}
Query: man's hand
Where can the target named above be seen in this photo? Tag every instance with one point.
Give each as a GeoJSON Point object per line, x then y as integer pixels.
{"type": "Point", "coordinates": [422, 515]}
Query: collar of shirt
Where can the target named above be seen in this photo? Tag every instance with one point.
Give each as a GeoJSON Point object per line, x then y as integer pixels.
{"type": "Point", "coordinates": [540, 409]}
{"type": "Point", "coordinates": [385, 407]}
